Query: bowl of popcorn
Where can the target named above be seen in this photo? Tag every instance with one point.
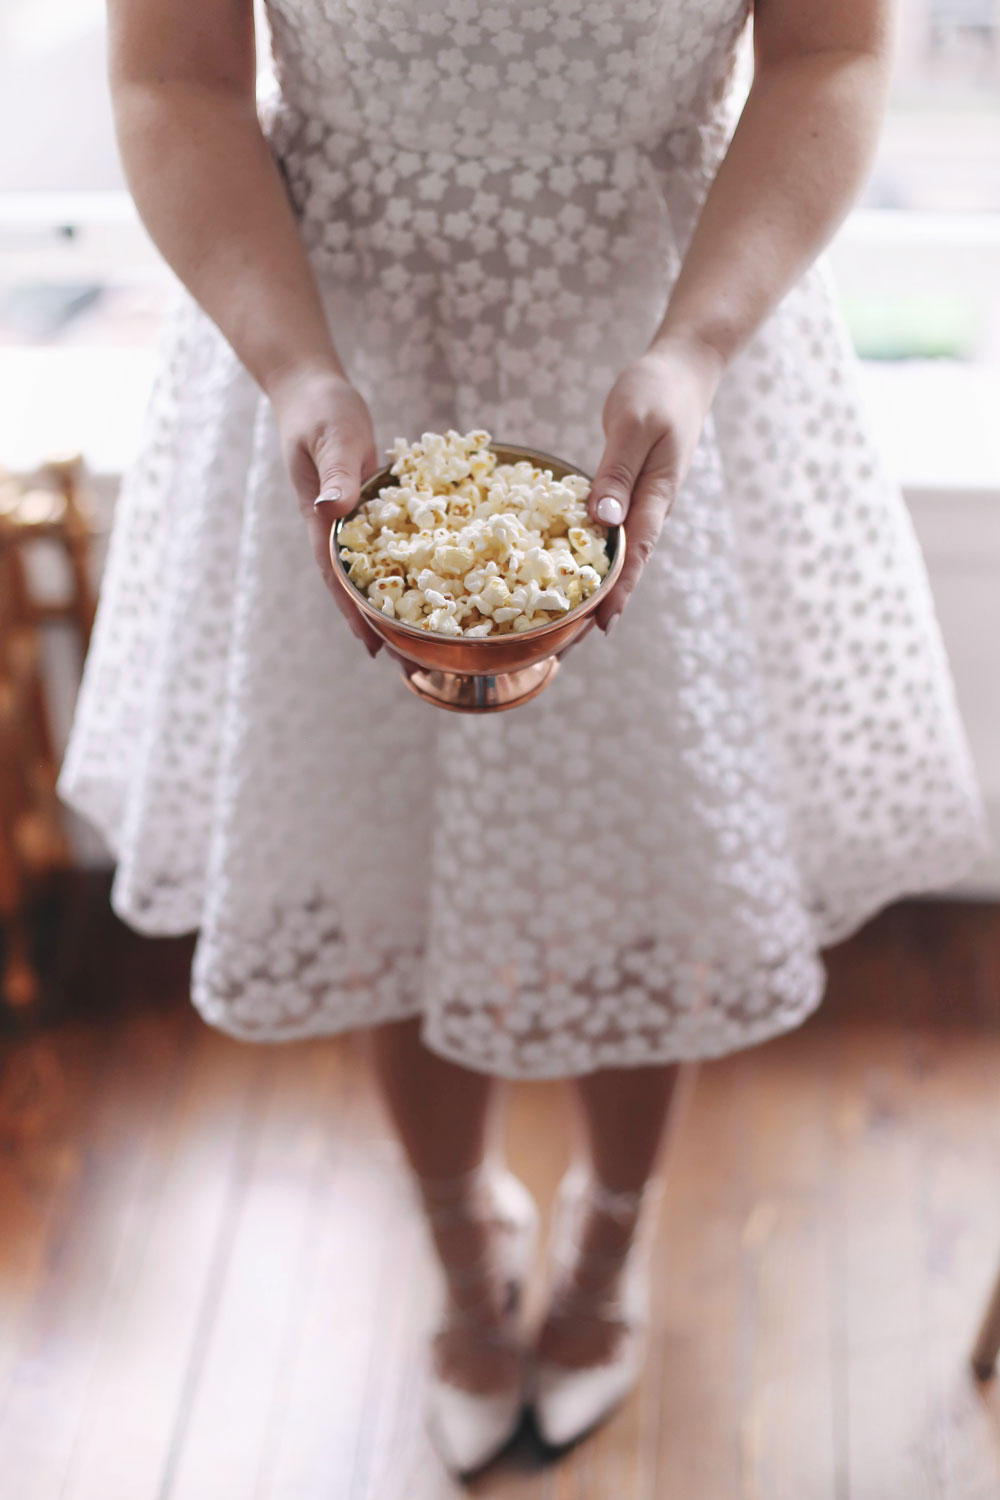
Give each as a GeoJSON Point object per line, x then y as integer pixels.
{"type": "Point", "coordinates": [476, 562]}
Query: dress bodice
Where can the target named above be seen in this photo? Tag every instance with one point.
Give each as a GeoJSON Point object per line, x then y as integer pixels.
{"type": "Point", "coordinates": [464, 77]}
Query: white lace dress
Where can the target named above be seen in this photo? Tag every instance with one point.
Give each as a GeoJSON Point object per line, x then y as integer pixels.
{"type": "Point", "coordinates": [642, 863]}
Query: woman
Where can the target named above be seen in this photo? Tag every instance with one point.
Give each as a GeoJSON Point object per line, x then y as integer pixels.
{"type": "Point", "coordinates": [544, 220]}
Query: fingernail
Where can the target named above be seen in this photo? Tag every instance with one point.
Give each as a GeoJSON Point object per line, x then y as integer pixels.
{"type": "Point", "coordinates": [612, 622]}
{"type": "Point", "coordinates": [328, 495]}
{"type": "Point", "coordinates": [609, 510]}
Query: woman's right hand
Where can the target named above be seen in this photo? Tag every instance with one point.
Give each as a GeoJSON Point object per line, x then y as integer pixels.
{"type": "Point", "coordinates": [329, 449]}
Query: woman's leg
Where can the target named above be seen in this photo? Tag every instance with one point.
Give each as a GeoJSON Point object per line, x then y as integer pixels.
{"type": "Point", "coordinates": [444, 1114]}
{"type": "Point", "coordinates": [447, 1121]}
{"type": "Point", "coordinates": [625, 1119]}
{"type": "Point", "coordinates": [626, 1115]}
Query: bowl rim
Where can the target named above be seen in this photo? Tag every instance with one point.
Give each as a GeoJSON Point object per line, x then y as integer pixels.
{"type": "Point", "coordinates": [384, 475]}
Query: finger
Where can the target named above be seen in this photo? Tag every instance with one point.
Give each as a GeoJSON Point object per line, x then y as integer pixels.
{"type": "Point", "coordinates": [651, 501]}
{"type": "Point", "coordinates": [338, 466]}
{"type": "Point", "coordinates": [625, 454]}
{"type": "Point", "coordinates": [320, 524]}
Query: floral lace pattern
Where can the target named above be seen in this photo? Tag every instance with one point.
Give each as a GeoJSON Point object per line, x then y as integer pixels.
{"type": "Point", "coordinates": [642, 863]}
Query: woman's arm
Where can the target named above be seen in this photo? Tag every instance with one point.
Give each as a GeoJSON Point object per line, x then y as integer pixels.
{"type": "Point", "coordinates": [204, 181]}
{"type": "Point", "coordinates": [797, 159]}
{"type": "Point", "coordinates": [183, 87]}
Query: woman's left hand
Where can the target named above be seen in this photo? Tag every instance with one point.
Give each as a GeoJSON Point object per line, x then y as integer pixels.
{"type": "Point", "coordinates": [652, 422]}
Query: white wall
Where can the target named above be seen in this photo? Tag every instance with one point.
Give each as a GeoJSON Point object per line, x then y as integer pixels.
{"type": "Point", "coordinates": [55, 115]}
{"type": "Point", "coordinates": [960, 537]}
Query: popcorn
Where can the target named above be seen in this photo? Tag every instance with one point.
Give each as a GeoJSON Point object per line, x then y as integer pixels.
{"type": "Point", "coordinates": [452, 560]}
{"type": "Point", "coordinates": [476, 578]}
{"type": "Point", "coordinates": [552, 599]}
{"type": "Point", "coordinates": [355, 532]}
{"type": "Point", "coordinates": [538, 565]}
{"type": "Point", "coordinates": [443, 622]}
{"type": "Point", "coordinates": [505, 530]}
{"type": "Point", "coordinates": [428, 579]}
{"type": "Point", "coordinates": [410, 609]}
{"type": "Point", "coordinates": [390, 585]}
{"type": "Point", "coordinates": [360, 569]}
{"type": "Point", "coordinates": [466, 546]}
{"type": "Point", "coordinates": [494, 595]}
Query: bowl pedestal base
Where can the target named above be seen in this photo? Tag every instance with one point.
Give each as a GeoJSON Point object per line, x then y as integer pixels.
{"type": "Point", "coordinates": [467, 694]}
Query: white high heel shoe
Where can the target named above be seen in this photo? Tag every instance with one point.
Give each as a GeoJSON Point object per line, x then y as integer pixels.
{"type": "Point", "coordinates": [469, 1427]}
{"type": "Point", "coordinates": [568, 1399]}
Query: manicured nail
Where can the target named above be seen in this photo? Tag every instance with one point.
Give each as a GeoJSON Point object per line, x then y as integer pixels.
{"type": "Point", "coordinates": [609, 510]}
{"type": "Point", "coordinates": [612, 622]}
{"type": "Point", "coordinates": [328, 495]}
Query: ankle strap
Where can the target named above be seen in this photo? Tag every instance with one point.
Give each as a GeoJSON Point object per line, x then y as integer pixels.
{"type": "Point", "coordinates": [617, 1203]}
{"type": "Point", "coordinates": [582, 1191]}
{"type": "Point", "coordinates": [473, 1285]}
{"type": "Point", "coordinates": [613, 1202]}
{"type": "Point", "coordinates": [447, 1185]}
{"type": "Point", "coordinates": [450, 1200]}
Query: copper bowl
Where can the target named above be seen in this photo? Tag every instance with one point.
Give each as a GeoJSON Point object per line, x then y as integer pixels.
{"type": "Point", "coordinates": [488, 673]}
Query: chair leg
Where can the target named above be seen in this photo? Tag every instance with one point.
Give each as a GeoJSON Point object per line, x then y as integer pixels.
{"type": "Point", "coordinates": [987, 1345]}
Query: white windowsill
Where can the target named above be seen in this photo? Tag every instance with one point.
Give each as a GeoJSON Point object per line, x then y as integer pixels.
{"type": "Point", "coordinates": [935, 421]}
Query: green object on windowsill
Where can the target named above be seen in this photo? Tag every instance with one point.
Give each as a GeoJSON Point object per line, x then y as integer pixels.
{"type": "Point", "coordinates": [911, 327]}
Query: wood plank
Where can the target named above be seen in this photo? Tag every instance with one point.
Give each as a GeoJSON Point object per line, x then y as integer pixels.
{"type": "Point", "coordinates": [48, 1088]}
{"type": "Point", "coordinates": [700, 1365]}
{"type": "Point", "coordinates": [956, 1084]}
{"type": "Point", "coordinates": [960, 1135]}
{"type": "Point", "coordinates": [880, 1254]}
{"type": "Point", "coordinates": [791, 1427]}
{"type": "Point", "coordinates": [317, 1444]}
{"type": "Point", "coordinates": [85, 1254]}
{"type": "Point", "coordinates": [234, 1400]}
{"type": "Point", "coordinates": [163, 1295]}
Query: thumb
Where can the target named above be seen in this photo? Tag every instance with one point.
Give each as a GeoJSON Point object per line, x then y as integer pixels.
{"type": "Point", "coordinates": [338, 468]}
{"type": "Point", "coordinates": [617, 474]}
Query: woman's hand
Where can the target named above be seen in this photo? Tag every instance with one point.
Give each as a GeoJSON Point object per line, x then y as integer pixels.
{"type": "Point", "coordinates": [329, 448]}
{"type": "Point", "coordinates": [652, 422]}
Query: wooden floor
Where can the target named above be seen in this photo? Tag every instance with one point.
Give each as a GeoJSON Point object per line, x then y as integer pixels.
{"type": "Point", "coordinates": [213, 1287]}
